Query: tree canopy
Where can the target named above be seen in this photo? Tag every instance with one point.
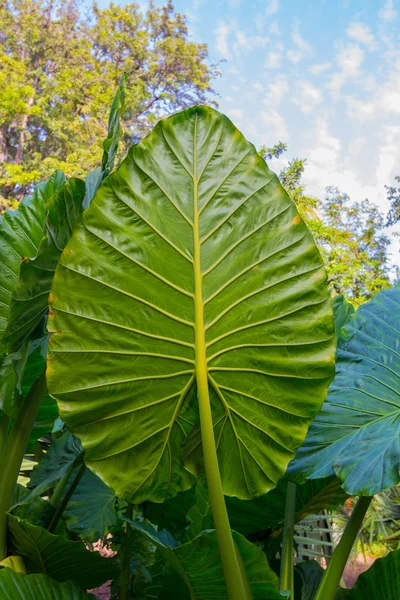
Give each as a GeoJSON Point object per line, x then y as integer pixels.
{"type": "Point", "coordinates": [59, 68]}
{"type": "Point", "coordinates": [350, 235]}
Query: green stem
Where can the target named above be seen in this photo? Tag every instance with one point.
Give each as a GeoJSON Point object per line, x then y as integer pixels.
{"type": "Point", "coordinates": [287, 577]}
{"type": "Point", "coordinates": [126, 557]}
{"type": "Point", "coordinates": [60, 487]}
{"type": "Point", "coordinates": [236, 579]}
{"type": "Point", "coordinates": [14, 451]}
{"type": "Point", "coordinates": [4, 426]}
{"type": "Point", "coordinates": [330, 582]}
{"type": "Point", "coordinates": [62, 505]}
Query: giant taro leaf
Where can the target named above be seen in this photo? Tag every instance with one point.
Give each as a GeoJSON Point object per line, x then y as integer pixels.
{"type": "Point", "coordinates": [29, 302]}
{"type": "Point", "coordinates": [356, 434]}
{"type": "Point", "coordinates": [20, 235]}
{"type": "Point", "coordinates": [192, 233]}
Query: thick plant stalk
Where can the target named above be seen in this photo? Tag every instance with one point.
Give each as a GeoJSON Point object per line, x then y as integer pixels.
{"type": "Point", "coordinates": [13, 454]}
{"type": "Point", "coordinates": [237, 584]}
{"type": "Point", "coordinates": [126, 558]}
{"type": "Point", "coordinates": [287, 577]}
{"type": "Point", "coordinates": [4, 426]}
{"type": "Point", "coordinates": [330, 582]}
{"type": "Point", "coordinates": [61, 507]}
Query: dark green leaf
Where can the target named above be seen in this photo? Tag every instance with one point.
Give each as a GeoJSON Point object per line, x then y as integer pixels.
{"type": "Point", "coordinates": [122, 362]}
{"type": "Point", "coordinates": [63, 454]}
{"type": "Point", "coordinates": [91, 513]}
{"type": "Point", "coordinates": [60, 558]}
{"type": "Point", "coordinates": [172, 514]}
{"type": "Point", "coordinates": [356, 434]}
{"type": "Point", "coordinates": [29, 303]}
{"type": "Point", "coordinates": [16, 586]}
{"type": "Point", "coordinates": [198, 569]}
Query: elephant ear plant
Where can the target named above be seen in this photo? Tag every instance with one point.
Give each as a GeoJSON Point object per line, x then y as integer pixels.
{"type": "Point", "coordinates": [192, 329]}
{"type": "Point", "coordinates": [192, 346]}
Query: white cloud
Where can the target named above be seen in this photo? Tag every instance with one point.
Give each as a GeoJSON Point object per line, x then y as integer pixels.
{"type": "Point", "coordinates": [320, 68]}
{"type": "Point", "coordinates": [276, 126]}
{"type": "Point", "coordinates": [273, 29]}
{"type": "Point", "coordinates": [235, 114]}
{"type": "Point", "coordinates": [303, 48]}
{"type": "Point", "coordinates": [274, 57]}
{"type": "Point", "coordinates": [361, 33]}
{"type": "Point", "coordinates": [248, 43]}
{"type": "Point", "coordinates": [349, 60]}
{"type": "Point", "coordinates": [388, 13]}
{"type": "Point", "coordinates": [307, 96]}
{"type": "Point", "coordinates": [221, 38]}
{"type": "Point", "coordinates": [272, 8]}
{"type": "Point", "coordinates": [277, 91]}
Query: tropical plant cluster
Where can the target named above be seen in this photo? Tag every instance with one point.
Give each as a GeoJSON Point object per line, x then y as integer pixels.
{"type": "Point", "coordinates": [177, 385]}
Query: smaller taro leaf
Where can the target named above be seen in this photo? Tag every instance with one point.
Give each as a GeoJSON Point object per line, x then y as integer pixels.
{"type": "Point", "coordinates": [197, 569]}
{"type": "Point", "coordinates": [356, 434]}
{"type": "Point", "coordinates": [91, 511]}
{"type": "Point", "coordinates": [20, 234]}
{"type": "Point", "coordinates": [29, 303]}
{"type": "Point", "coordinates": [64, 452]}
{"type": "Point", "coordinates": [58, 557]}
{"type": "Point", "coordinates": [110, 144]}
{"type": "Point", "coordinates": [342, 312]}
{"type": "Point", "coordinates": [172, 514]}
{"type": "Point", "coordinates": [380, 582]}
{"type": "Point", "coordinates": [17, 586]}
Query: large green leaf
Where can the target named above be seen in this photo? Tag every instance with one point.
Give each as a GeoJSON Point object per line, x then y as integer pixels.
{"type": "Point", "coordinates": [192, 202]}
{"type": "Point", "coordinates": [356, 434]}
{"type": "Point", "coordinates": [29, 303]}
{"type": "Point", "coordinates": [20, 235]}
{"type": "Point", "coordinates": [16, 586]}
{"type": "Point", "coordinates": [58, 557]}
{"type": "Point", "coordinates": [197, 567]}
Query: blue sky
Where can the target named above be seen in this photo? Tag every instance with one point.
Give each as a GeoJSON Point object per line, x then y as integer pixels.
{"type": "Point", "coordinates": [321, 75]}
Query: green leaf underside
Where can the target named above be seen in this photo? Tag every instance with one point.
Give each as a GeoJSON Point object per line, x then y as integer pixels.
{"type": "Point", "coordinates": [20, 235]}
{"type": "Point", "coordinates": [356, 434]}
{"type": "Point", "coordinates": [29, 303]}
{"type": "Point", "coordinates": [58, 557]}
{"type": "Point", "coordinates": [198, 568]}
{"type": "Point", "coordinates": [16, 586]}
{"type": "Point", "coordinates": [122, 361]}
